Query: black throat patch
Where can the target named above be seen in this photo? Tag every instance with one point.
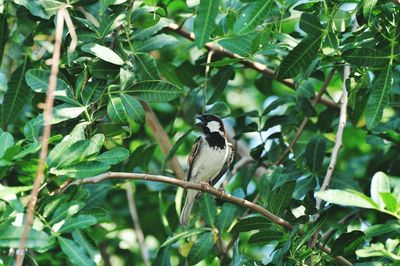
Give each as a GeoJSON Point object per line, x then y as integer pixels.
{"type": "Point", "coordinates": [215, 139]}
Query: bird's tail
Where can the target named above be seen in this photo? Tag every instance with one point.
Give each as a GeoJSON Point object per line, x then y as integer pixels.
{"type": "Point", "coordinates": [187, 208]}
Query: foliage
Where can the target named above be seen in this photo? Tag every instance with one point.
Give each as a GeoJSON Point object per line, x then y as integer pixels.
{"type": "Point", "coordinates": [130, 55]}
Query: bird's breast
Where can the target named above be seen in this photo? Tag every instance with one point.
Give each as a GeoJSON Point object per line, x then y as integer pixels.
{"type": "Point", "coordinates": [209, 163]}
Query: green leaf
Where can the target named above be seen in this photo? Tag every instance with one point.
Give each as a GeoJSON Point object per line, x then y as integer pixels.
{"type": "Point", "coordinates": [379, 97]}
{"type": "Point", "coordinates": [116, 110]}
{"type": "Point", "coordinates": [208, 209]}
{"type": "Point", "coordinates": [183, 235]}
{"type": "Point", "coordinates": [64, 112]}
{"type": "Point", "coordinates": [18, 93]}
{"type": "Point", "coordinates": [102, 52]}
{"type": "Point", "coordinates": [38, 80]}
{"type": "Point", "coordinates": [241, 45]}
{"type": "Point", "coordinates": [177, 144]}
{"type": "Point", "coordinates": [280, 198]}
{"type": "Point", "coordinates": [10, 237]}
{"type": "Point", "coordinates": [75, 254]}
{"type": "Point", "coordinates": [3, 33]}
{"type": "Point", "coordinates": [251, 223]}
{"type": "Point", "coordinates": [204, 23]}
{"type": "Point", "coordinates": [83, 241]}
{"type": "Point", "coordinates": [52, 6]}
{"type": "Point", "coordinates": [113, 156]}
{"type": "Point", "coordinates": [253, 15]}
{"type": "Point", "coordinates": [6, 142]}
{"type": "Point", "coordinates": [347, 197]}
{"type": "Point", "coordinates": [389, 201]}
{"type": "Point", "coordinates": [381, 229]}
{"type": "Point", "coordinates": [376, 250]}
{"type": "Point", "coordinates": [66, 210]}
{"type": "Point", "coordinates": [156, 42]}
{"type": "Point", "coordinates": [74, 153]}
{"type": "Point", "coordinates": [300, 57]}
{"type": "Point", "coordinates": [154, 91]}
{"type": "Point", "coordinates": [219, 81]}
{"type": "Point", "coordinates": [310, 24]}
{"type": "Point", "coordinates": [146, 67]}
{"type": "Point", "coordinates": [347, 243]}
{"type": "Point", "coordinates": [219, 109]}
{"type": "Point", "coordinates": [226, 216]}
{"type": "Point", "coordinates": [95, 144]}
{"type": "Point", "coordinates": [223, 62]}
{"type": "Point", "coordinates": [201, 248]}
{"type": "Point", "coordinates": [315, 152]}
{"type": "Point", "coordinates": [366, 57]}
{"type": "Point", "coordinates": [163, 257]}
{"type": "Point", "coordinates": [265, 236]}
{"type": "Point", "coordinates": [133, 108]}
{"type": "Point", "coordinates": [34, 6]}
{"type": "Point", "coordinates": [380, 183]}
{"type": "Point", "coordinates": [7, 193]}
{"type": "Point", "coordinates": [83, 169]}
{"type": "Point", "coordinates": [78, 222]}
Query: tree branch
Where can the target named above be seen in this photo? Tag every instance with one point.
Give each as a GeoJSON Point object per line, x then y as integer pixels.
{"type": "Point", "coordinates": [339, 134]}
{"type": "Point", "coordinates": [47, 113]}
{"type": "Point", "coordinates": [246, 62]}
{"type": "Point", "coordinates": [162, 139]}
{"type": "Point", "coordinates": [207, 189]}
{"type": "Point", "coordinates": [306, 119]}
{"type": "Point", "coordinates": [136, 223]}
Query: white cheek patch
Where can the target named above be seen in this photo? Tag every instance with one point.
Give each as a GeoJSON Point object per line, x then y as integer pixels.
{"type": "Point", "coordinates": [214, 126]}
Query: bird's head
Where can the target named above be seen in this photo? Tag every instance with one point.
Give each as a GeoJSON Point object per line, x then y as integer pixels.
{"type": "Point", "coordinates": [210, 124]}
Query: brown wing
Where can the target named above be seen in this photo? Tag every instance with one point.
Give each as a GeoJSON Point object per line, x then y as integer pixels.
{"type": "Point", "coordinates": [195, 151]}
{"type": "Point", "coordinates": [228, 162]}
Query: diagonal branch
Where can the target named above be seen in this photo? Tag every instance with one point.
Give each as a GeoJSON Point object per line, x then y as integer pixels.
{"type": "Point", "coordinates": [47, 113]}
{"type": "Point", "coordinates": [246, 62]}
{"type": "Point", "coordinates": [197, 186]}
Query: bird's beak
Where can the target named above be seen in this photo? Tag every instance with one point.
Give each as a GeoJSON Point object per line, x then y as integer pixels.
{"type": "Point", "coordinates": [199, 121]}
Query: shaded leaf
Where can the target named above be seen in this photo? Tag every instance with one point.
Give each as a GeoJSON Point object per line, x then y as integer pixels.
{"type": "Point", "coordinates": [300, 57]}
{"type": "Point", "coordinates": [133, 109]}
{"type": "Point", "coordinates": [311, 24]}
{"type": "Point", "coordinates": [379, 97]}
{"type": "Point", "coordinates": [265, 236]}
{"type": "Point", "coordinates": [113, 156]}
{"type": "Point", "coordinates": [10, 237]}
{"type": "Point", "coordinates": [253, 15]}
{"type": "Point", "coordinates": [347, 243]}
{"type": "Point", "coordinates": [251, 223]}
{"type": "Point", "coordinates": [78, 222]}
{"type": "Point", "coordinates": [315, 152]}
{"type": "Point", "coordinates": [154, 90]}
{"type": "Point", "coordinates": [226, 216]}
{"type": "Point", "coordinates": [201, 248]}
{"type": "Point", "coordinates": [204, 23]}
{"type": "Point", "coordinates": [75, 254]}
{"type": "Point", "coordinates": [208, 209]}
{"type": "Point", "coordinates": [366, 57]}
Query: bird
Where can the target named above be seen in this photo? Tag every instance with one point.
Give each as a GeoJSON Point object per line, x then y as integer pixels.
{"type": "Point", "coordinates": [208, 161]}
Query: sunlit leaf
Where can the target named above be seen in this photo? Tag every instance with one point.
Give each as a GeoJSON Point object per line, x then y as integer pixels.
{"type": "Point", "coordinates": [204, 22]}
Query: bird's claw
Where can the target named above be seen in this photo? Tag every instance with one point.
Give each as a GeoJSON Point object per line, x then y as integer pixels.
{"type": "Point", "coordinates": [204, 186]}
{"type": "Point", "coordinates": [221, 192]}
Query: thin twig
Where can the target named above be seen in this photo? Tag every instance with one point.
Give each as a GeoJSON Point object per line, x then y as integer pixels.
{"type": "Point", "coordinates": [206, 74]}
{"type": "Point", "coordinates": [339, 134]}
{"type": "Point", "coordinates": [72, 33]}
{"type": "Point", "coordinates": [162, 139]}
{"type": "Point", "coordinates": [306, 119]}
{"type": "Point", "coordinates": [246, 62]}
{"type": "Point", "coordinates": [136, 223]}
{"type": "Point", "coordinates": [336, 148]}
{"type": "Point", "coordinates": [197, 186]}
{"type": "Point", "coordinates": [47, 113]}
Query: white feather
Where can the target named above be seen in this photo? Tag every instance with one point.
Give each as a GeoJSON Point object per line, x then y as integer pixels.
{"type": "Point", "coordinates": [214, 126]}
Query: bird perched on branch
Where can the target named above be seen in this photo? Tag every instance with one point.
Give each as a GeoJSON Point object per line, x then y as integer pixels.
{"type": "Point", "coordinates": [208, 161]}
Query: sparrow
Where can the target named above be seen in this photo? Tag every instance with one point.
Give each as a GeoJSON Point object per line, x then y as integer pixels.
{"type": "Point", "coordinates": [208, 161]}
